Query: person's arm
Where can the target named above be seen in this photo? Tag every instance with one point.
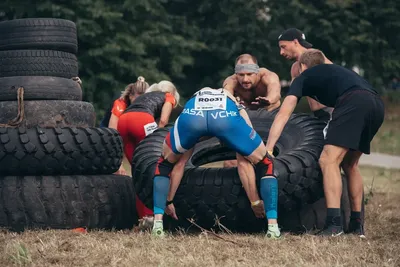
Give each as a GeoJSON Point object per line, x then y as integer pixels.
{"type": "Point", "coordinates": [113, 123]}
{"type": "Point", "coordinates": [177, 173]}
{"type": "Point", "coordinates": [242, 112]}
{"type": "Point", "coordinates": [295, 71]}
{"type": "Point", "coordinates": [230, 84]}
{"type": "Point", "coordinates": [280, 121]}
{"type": "Point", "coordinates": [271, 81]}
{"type": "Point", "coordinates": [176, 178]}
{"type": "Point", "coordinates": [117, 109]}
{"type": "Point", "coordinates": [248, 178]}
{"type": "Point", "coordinates": [165, 114]}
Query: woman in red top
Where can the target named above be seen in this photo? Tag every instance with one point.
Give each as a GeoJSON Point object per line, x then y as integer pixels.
{"type": "Point", "coordinates": [130, 93]}
{"type": "Point", "coordinates": [139, 120]}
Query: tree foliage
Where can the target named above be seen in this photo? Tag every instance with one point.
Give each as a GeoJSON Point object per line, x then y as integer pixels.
{"type": "Point", "coordinates": [194, 43]}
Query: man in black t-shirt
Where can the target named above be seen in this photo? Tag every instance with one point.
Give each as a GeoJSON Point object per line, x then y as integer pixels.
{"type": "Point", "coordinates": [357, 116]}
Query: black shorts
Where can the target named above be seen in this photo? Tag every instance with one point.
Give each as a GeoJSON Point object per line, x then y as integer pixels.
{"type": "Point", "coordinates": [356, 119]}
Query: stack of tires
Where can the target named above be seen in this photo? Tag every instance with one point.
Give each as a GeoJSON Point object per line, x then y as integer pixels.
{"type": "Point", "coordinates": [56, 168]}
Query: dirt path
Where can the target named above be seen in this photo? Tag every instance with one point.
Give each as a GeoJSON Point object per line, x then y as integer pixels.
{"type": "Point", "coordinates": [381, 160]}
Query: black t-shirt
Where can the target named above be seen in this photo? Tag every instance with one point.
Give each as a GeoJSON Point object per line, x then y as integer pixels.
{"type": "Point", "coordinates": [151, 103]}
{"type": "Point", "coordinates": [326, 83]}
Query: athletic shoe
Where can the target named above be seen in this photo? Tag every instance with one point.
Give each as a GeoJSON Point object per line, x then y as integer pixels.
{"type": "Point", "coordinates": [331, 230]}
{"type": "Point", "coordinates": [356, 227]}
{"type": "Point", "coordinates": [158, 232]}
{"type": "Point", "coordinates": [273, 234]}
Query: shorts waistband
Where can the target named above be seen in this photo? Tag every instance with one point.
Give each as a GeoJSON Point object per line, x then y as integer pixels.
{"type": "Point", "coordinates": [355, 90]}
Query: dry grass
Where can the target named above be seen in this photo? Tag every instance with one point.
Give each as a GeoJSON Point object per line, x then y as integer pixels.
{"type": "Point", "coordinates": [97, 248]}
{"type": "Point", "coordinates": [128, 248]}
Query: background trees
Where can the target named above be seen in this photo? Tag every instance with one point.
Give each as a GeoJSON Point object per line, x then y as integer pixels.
{"type": "Point", "coordinates": [194, 43]}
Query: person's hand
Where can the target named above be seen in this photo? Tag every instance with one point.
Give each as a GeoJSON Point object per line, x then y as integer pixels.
{"type": "Point", "coordinates": [258, 209]}
{"type": "Point", "coordinates": [170, 210]}
{"type": "Point", "coordinates": [261, 101]}
{"type": "Point", "coordinates": [121, 171]}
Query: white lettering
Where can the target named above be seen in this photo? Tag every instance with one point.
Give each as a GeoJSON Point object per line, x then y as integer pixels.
{"type": "Point", "coordinates": [193, 112]}
{"type": "Point", "coordinates": [223, 114]}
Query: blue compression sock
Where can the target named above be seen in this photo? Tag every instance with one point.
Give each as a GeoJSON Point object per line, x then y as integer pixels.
{"type": "Point", "coordinates": [160, 193]}
{"type": "Point", "coordinates": [269, 193]}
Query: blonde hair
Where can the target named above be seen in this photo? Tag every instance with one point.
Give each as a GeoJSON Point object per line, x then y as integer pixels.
{"type": "Point", "coordinates": [139, 87]}
{"type": "Point", "coordinates": [166, 87]}
{"type": "Point", "coordinates": [312, 57]}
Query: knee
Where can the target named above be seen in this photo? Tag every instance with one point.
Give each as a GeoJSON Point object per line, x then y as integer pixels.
{"type": "Point", "coordinates": [257, 158]}
{"type": "Point", "coordinates": [326, 160]}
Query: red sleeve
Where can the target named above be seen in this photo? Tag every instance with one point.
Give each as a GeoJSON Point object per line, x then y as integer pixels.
{"type": "Point", "coordinates": [118, 107]}
{"type": "Point", "coordinates": [170, 98]}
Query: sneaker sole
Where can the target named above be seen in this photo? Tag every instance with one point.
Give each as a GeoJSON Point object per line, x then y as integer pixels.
{"type": "Point", "coordinates": [270, 236]}
{"type": "Point", "coordinates": [338, 234]}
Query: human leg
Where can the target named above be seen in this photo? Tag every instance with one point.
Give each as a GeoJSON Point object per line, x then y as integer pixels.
{"type": "Point", "coordinates": [252, 147]}
{"type": "Point", "coordinates": [356, 190]}
{"type": "Point", "coordinates": [182, 137]}
{"type": "Point", "coordinates": [329, 161]}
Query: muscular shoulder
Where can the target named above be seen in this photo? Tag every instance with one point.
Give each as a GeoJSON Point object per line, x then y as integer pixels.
{"type": "Point", "coordinates": [231, 78]}
{"type": "Point", "coordinates": [268, 76]}
{"type": "Point", "coordinates": [327, 61]}
{"type": "Point", "coordinates": [230, 84]}
{"type": "Point", "coordinates": [295, 70]}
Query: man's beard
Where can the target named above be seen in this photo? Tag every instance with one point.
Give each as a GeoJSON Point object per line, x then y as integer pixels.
{"type": "Point", "coordinates": [248, 86]}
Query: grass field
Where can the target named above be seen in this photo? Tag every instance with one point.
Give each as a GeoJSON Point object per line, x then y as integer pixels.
{"type": "Point", "coordinates": [387, 140]}
{"type": "Point", "coordinates": [128, 248]}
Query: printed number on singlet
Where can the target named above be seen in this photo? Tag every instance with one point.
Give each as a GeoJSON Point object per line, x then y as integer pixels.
{"type": "Point", "coordinates": [150, 128]}
{"type": "Point", "coordinates": [209, 100]}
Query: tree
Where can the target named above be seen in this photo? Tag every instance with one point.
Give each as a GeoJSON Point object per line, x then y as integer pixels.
{"type": "Point", "coordinates": [118, 41]}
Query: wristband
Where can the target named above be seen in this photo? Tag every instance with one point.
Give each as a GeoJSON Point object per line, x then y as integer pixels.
{"type": "Point", "coordinates": [169, 202]}
{"type": "Point", "coordinates": [255, 203]}
{"type": "Point", "coordinates": [270, 152]}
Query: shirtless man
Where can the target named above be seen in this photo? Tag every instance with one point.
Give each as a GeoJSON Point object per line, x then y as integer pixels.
{"type": "Point", "coordinates": [254, 86]}
{"type": "Point", "coordinates": [293, 44]}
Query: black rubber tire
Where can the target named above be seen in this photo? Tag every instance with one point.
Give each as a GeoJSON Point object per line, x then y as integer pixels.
{"type": "Point", "coordinates": [38, 63]}
{"type": "Point", "coordinates": [59, 151]}
{"type": "Point", "coordinates": [50, 113]}
{"type": "Point", "coordinates": [66, 202]}
{"type": "Point", "coordinates": [39, 33]}
{"type": "Point", "coordinates": [40, 88]}
{"type": "Point", "coordinates": [207, 193]}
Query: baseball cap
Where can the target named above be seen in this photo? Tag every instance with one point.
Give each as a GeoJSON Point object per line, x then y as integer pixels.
{"type": "Point", "coordinates": [293, 33]}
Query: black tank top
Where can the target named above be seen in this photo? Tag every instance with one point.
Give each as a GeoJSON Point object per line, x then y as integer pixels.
{"type": "Point", "coordinates": [151, 103]}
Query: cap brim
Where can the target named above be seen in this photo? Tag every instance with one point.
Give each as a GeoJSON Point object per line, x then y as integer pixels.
{"type": "Point", "coordinates": [305, 44]}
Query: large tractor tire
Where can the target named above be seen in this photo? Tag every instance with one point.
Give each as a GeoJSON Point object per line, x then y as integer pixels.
{"type": "Point", "coordinates": [67, 202]}
{"type": "Point", "coordinates": [39, 33]}
{"type": "Point", "coordinates": [50, 113]}
{"type": "Point", "coordinates": [59, 151]}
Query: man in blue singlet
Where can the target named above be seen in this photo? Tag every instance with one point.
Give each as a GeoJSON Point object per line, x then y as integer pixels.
{"type": "Point", "coordinates": [214, 112]}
